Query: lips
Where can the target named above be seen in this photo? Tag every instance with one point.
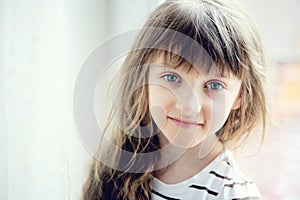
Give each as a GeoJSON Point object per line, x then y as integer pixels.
{"type": "Point", "coordinates": [184, 123]}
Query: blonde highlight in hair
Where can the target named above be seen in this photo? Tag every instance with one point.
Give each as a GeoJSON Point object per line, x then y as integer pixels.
{"type": "Point", "coordinates": [229, 37]}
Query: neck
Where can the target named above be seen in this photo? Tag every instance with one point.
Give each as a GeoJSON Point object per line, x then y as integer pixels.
{"type": "Point", "coordinates": [187, 162]}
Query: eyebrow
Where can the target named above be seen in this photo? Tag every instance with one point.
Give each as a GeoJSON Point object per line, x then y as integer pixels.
{"type": "Point", "coordinates": [223, 75]}
{"type": "Point", "coordinates": [213, 72]}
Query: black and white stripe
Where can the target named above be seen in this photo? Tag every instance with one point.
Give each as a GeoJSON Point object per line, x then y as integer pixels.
{"type": "Point", "coordinates": [204, 188]}
{"type": "Point", "coordinates": [221, 179]}
{"type": "Point", "coordinates": [163, 196]}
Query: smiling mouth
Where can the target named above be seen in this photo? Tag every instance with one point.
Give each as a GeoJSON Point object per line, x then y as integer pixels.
{"type": "Point", "coordinates": [184, 124]}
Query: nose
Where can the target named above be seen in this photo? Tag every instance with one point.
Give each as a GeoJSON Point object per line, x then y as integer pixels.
{"type": "Point", "coordinates": [189, 101]}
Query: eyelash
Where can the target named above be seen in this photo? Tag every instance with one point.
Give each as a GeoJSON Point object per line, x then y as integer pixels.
{"type": "Point", "coordinates": [209, 86]}
{"type": "Point", "coordinates": [177, 81]}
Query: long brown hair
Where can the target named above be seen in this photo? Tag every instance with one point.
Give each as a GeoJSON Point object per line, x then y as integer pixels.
{"type": "Point", "coordinates": [229, 37]}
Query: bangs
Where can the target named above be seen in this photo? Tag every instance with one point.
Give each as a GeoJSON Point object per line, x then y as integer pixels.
{"type": "Point", "coordinates": [196, 36]}
{"type": "Point", "coordinates": [200, 61]}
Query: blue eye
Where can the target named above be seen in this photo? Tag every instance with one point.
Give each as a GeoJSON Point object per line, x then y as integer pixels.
{"type": "Point", "coordinates": [214, 86]}
{"type": "Point", "coordinates": [172, 78]}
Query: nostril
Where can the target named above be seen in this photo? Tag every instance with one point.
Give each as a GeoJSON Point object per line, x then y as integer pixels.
{"type": "Point", "coordinates": [189, 97]}
{"type": "Point", "coordinates": [189, 105]}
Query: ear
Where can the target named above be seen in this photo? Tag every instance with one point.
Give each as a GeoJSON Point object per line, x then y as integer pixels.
{"type": "Point", "coordinates": [237, 102]}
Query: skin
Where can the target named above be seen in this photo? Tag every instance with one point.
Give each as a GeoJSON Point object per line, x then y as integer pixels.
{"type": "Point", "coordinates": [189, 107]}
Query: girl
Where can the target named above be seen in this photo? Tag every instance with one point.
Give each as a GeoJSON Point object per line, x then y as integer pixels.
{"type": "Point", "coordinates": [189, 91]}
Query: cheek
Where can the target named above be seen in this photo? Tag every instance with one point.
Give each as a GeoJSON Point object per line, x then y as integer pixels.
{"type": "Point", "coordinates": [217, 113]}
{"type": "Point", "coordinates": [161, 101]}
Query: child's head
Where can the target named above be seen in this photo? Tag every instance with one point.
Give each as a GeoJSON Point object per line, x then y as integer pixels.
{"type": "Point", "coordinates": [191, 36]}
{"type": "Point", "coordinates": [206, 35]}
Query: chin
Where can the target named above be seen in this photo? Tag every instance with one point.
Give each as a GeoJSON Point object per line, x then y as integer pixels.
{"type": "Point", "coordinates": [185, 142]}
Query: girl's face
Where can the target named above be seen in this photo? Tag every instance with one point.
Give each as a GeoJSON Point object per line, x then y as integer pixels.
{"type": "Point", "coordinates": [188, 106]}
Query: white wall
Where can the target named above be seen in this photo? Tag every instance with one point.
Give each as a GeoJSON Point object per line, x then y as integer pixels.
{"type": "Point", "coordinates": [279, 23]}
{"type": "Point", "coordinates": [43, 44]}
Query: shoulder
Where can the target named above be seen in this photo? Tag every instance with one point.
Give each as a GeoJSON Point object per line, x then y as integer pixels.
{"type": "Point", "coordinates": [222, 179]}
{"type": "Point", "coordinates": [236, 185]}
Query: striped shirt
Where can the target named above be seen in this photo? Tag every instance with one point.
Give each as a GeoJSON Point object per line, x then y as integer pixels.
{"type": "Point", "coordinates": [221, 179]}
